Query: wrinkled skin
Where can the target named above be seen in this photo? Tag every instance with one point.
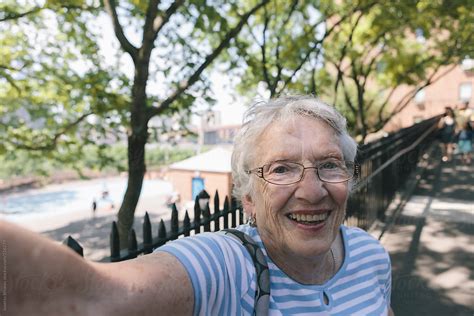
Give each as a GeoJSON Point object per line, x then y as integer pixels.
{"type": "Point", "coordinates": [302, 253]}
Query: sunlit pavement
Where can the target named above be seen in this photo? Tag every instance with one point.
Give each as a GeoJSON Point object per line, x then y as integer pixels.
{"type": "Point", "coordinates": [62, 210]}
{"type": "Point", "coordinates": [431, 244]}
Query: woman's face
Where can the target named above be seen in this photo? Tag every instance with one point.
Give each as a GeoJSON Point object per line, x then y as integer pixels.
{"type": "Point", "coordinates": [307, 141]}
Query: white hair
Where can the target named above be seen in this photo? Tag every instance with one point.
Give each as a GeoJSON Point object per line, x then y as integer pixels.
{"type": "Point", "coordinates": [261, 115]}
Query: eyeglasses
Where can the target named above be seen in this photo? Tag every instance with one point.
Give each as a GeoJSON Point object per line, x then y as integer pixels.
{"type": "Point", "coordinates": [285, 173]}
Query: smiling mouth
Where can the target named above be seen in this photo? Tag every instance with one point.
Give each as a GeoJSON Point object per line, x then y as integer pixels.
{"type": "Point", "coordinates": [309, 219]}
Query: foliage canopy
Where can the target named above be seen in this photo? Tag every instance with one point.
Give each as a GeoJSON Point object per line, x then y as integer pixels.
{"type": "Point", "coordinates": [60, 96]}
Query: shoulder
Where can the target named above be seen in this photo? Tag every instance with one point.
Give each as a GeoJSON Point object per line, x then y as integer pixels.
{"type": "Point", "coordinates": [366, 257]}
{"type": "Point", "coordinates": [218, 266]}
{"type": "Point", "coordinates": [206, 248]}
{"type": "Point", "coordinates": [362, 245]}
{"type": "Point", "coordinates": [211, 257]}
{"type": "Point", "coordinates": [356, 232]}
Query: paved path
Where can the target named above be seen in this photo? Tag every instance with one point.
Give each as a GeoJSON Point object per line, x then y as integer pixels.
{"type": "Point", "coordinates": [432, 244]}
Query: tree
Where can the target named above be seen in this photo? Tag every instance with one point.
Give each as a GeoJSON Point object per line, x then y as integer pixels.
{"type": "Point", "coordinates": [198, 49]}
{"type": "Point", "coordinates": [354, 54]}
{"type": "Point", "coordinates": [283, 46]}
{"type": "Point", "coordinates": [188, 37]}
{"type": "Point", "coordinates": [55, 97]}
{"type": "Point", "coordinates": [391, 45]}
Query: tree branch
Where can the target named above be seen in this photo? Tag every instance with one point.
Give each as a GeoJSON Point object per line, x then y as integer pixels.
{"type": "Point", "coordinates": [54, 141]}
{"type": "Point", "coordinates": [293, 6]}
{"type": "Point", "coordinates": [11, 81]}
{"type": "Point", "coordinates": [315, 46]}
{"type": "Point", "coordinates": [154, 22]}
{"type": "Point", "coordinates": [370, 66]}
{"type": "Point", "coordinates": [161, 20]}
{"type": "Point", "coordinates": [313, 82]}
{"type": "Point", "coordinates": [348, 98]}
{"type": "Point", "coordinates": [338, 65]}
{"type": "Point", "coordinates": [183, 85]}
{"type": "Point", "coordinates": [13, 15]}
{"type": "Point", "coordinates": [110, 7]}
{"type": "Point", "coordinates": [263, 48]}
{"type": "Point", "coordinates": [149, 34]}
{"type": "Point", "coordinates": [408, 97]}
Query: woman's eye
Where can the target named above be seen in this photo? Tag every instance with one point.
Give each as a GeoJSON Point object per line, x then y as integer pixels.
{"type": "Point", "coordinates": [279, 169]}
{"type": "Point", "coordinates": [330, 165]}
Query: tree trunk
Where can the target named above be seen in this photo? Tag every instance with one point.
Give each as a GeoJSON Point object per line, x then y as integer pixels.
{"type": "Point", "coordinates": [140, 113]}
{"type": "Point", "coordinates": [136, 172]}
{"type": "Point", "coordinates": [136, 150]}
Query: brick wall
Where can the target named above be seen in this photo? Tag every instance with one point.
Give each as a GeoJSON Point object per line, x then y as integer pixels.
{"type": "Point", "coordinates": [182, 182]}
{"type": "Point", "coordinates": [444, 92]}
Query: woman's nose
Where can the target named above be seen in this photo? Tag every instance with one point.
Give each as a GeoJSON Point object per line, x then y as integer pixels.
{"type": "Point", "coordinates": [311, 188]}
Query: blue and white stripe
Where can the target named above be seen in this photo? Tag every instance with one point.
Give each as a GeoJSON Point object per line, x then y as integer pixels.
{"type": "Point", "coordinates": [223, 278]}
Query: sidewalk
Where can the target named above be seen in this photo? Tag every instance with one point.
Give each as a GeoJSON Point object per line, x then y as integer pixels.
{"type": "Point", "coordinates": [431, 244]}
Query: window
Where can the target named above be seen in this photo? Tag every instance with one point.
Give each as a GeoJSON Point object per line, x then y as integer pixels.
{"type": "Point", "coordinates": [465, 91]}
{"type": "Point", "coordinates": [467, 64]}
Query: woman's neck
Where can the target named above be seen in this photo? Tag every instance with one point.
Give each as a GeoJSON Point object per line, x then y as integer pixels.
{"type": "Point", "coordinates": [315, 270]}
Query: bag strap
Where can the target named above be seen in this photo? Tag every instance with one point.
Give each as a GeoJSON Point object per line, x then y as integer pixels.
{"type": "Point", "coordinates": [262, 293]}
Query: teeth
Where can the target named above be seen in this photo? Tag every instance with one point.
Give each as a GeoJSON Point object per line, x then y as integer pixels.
{"type": "Point", "coordinates": [309, 218]}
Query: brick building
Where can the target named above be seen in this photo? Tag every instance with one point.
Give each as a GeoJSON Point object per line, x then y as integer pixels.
{"type": "Point", "coordinates": [453, 86]}
{"type": "Point", "coordinates": [210, 171]}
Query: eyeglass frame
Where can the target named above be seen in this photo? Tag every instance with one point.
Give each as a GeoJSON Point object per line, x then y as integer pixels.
{"type": "Point", "coordinates": [259, 172]}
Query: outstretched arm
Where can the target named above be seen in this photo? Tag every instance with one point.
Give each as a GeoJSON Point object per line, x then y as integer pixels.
{"type": "Point", "coordinates": [44, 278]}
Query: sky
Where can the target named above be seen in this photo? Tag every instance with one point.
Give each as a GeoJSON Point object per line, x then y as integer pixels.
{"type": "Point", "coordinates": [231, 109]}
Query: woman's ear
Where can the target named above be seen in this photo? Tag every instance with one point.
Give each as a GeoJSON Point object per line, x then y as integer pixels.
{"type": "Point", "coordinates": [248, 205]}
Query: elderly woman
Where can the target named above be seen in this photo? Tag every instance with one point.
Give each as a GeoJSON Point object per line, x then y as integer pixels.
{"type": "Point", "coordinates": [293, 166]}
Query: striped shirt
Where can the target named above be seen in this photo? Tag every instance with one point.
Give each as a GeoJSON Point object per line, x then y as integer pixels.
{"type": "Point", "coordinates": [224, 279]}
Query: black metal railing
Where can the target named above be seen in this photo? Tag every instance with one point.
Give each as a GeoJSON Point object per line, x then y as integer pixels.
{"type": "Point", "coordinates": [385, 166]}
{"type": "Point", "coordinates": [203, 221]}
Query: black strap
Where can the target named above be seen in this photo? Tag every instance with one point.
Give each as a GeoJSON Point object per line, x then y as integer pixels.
{"type": "Point", "coordinates": [262, 294]}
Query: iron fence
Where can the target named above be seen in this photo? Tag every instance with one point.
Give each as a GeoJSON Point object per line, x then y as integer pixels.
{"type": "Point", "coordinates": [385, 166]}
{"type": "Point", "coordinates": [205, 220]}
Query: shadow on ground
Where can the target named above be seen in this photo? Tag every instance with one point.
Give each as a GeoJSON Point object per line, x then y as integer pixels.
{"type": "Point", "coordinates": [425, 278]}
{"type": "Point", "coordinates": [431, 245]}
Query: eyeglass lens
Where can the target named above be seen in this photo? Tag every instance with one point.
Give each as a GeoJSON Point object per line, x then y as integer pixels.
{"type": "Point", "coordinates": [290, 172]}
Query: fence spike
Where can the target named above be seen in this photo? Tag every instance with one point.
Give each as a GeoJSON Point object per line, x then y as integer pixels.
{"type": "Point", "coordinates": [233, 203]}
{"type": "Point", "coordinates": [225, 212]}
{"type": "Point", "coordinates": [114, 243]}
{"type": "Point", "coordinates": [207, 218]}
{"type": "Point", "coordinates": [147, 235]}
{"type": "Point", "coordinates": [162, 230]}
{"type": "Point", "coordinates": [197, 216]}
{"type": "Point", "coordinates": [233, 208]}
{"type": "Point", "coordinates": [74, 245]}
{"type": "Point", "coordinates": [186, 224]}
{"type": "Point", "coordinates": [132, 243]}
{"type": "Point", "coordinates": [226, 203]}
{"type": "Point", "coordinates": [174, 219]}
{"type": "Point", "coordinates": [197, 209]}
{"type": "Point", "coordinates": [216, 202]}
{"type": "Point", "coordinates": [174, 207]}
{"type": "Point", "coordinates": [216, 212]}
